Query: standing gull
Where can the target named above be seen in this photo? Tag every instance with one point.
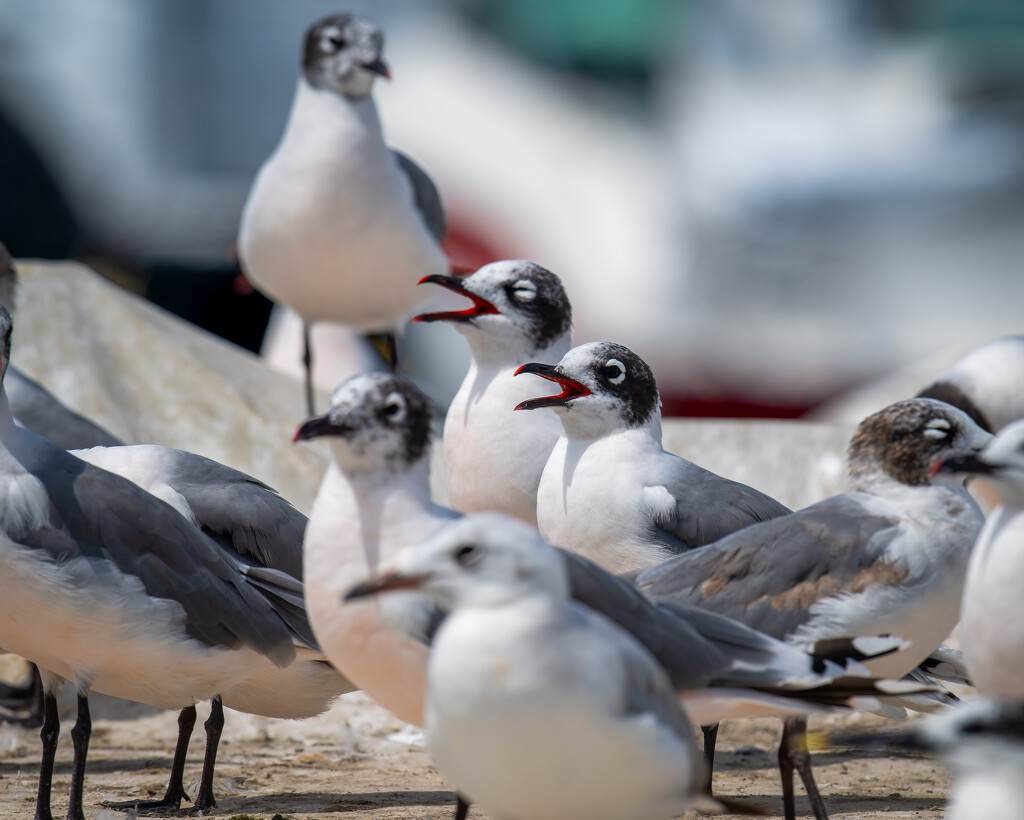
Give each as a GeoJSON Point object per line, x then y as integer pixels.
{"type": "Point", "coordinates": [108, 588]}
{"type": "Point", "coordinates": [338, 226]}
{"type": "Point", "coordinates": [254, 522]}
{"type": "Point", "coordinates": [609, 490]}
{"type": "Point", "coordinates": [494, 458]}
{"type": "Point", "coordinates": [538, 707]}
{"type": "Point", "coordinates": [887, 557]}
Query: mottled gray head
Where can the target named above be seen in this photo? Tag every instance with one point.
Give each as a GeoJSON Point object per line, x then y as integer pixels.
{"type": "Point", "coordinates": [8, 279]}
{"type": "Point", "coordinates": [6, 329]}
{"type": "Point", "coordinates": [520, 305]}
{"type": "Point", "coordinates": [376, 421]}
{"type": "Point", "coordinates": [906, 438]}
{"type": "Point", "coordinates": [603, 383]}
{"type": "Point", "coordinates": [342, 53]}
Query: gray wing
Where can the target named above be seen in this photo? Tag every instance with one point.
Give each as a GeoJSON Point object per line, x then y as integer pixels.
{"type": "Point", "coordinates": [36, 409]}
{"type": "Point", "coordinates": [111, 521]}
{"type": "Point", "coordinates": [258, 522]}
{"type": "Point", "coordinates": [425, 195]}
{"type": "Point", "coordinates": [708, 507]}
{"type": "Point", "coordinates": [699, 648]}
{"type": "Point", "coordinates": [769, 576]}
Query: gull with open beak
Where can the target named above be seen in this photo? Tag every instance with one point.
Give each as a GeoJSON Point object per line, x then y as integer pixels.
{"type": "Point", "coordinates": [493, 458]}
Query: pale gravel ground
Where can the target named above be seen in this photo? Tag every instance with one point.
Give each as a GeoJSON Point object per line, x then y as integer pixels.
{"type": "Point", "coordinates": [357, 761]}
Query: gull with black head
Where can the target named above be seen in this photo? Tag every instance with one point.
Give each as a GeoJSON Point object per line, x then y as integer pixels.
{"type": "Point", "coordinates": [609, 490]}
{"type": "Point", "coordinates": [494, 458]}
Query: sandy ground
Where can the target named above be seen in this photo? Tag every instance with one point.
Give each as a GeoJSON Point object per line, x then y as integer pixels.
{"type": "Point", "coordinates": [356, 761]}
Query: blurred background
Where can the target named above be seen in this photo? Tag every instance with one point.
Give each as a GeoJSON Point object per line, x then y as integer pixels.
{"type": "Point", "coordinates": [772, 203]}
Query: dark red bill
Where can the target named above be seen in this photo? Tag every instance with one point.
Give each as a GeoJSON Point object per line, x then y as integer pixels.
{"type": "Point", "coordinates": [480, 307]}
{"type": "Point", "coordinates": [571, 389]}
{"type": "Point", "coordinates": [318, 427]}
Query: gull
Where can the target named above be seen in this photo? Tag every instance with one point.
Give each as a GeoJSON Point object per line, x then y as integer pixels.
{"type": "Point", "coordinates": [993, 646]}
{"type": "Point", "coordinates": [33, 405]}
{"type": "Point", "coordinates": [243, 515]}
{"type": "Point", "coordinates": [338, 226]}
{"type": "Point", "coordinates": [609, 490]}
{"type": "Point", "coordinates": [375, 502]}
{"type": "Point", "coordinates": [887, 557]}
{"type": "Point", "coordinates": [494, 458]}
{"type": "Point", "coordinates": [109, 588]}
{"type": "Point", "coordinates": [987, 384]}
{"type": "Point", "coordinates": [537, 706]}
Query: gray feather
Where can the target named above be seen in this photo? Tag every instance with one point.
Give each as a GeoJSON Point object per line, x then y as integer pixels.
{"type": "Point", "coordinates": [36, 409]}
{"type": "Point", "coordinates": [771, 575]}
{"type": "Point", "coordinates": [425, 195]}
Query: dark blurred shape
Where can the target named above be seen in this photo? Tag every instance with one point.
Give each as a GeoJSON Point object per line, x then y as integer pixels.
{"type": "Point", "coordinates": [35, 219]}
{"type": "Point", "coordinates": [217, 299]}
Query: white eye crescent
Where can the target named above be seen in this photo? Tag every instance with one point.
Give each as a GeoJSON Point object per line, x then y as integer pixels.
{"type": "Point", "coordinates": [524, 291]}
{"type": "Point", "coordinates": [937, 429]}
{"type": "Point", "coordinates": [394, 407]}
{"type": "Point", "coordinates": [614, 371]}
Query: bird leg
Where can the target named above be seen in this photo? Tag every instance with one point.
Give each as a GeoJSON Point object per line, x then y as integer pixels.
{"type": "Point", "coordinates": [80, 735]}
{"type": "Point", "coordinates": [175, 785]}
{"type": "Point", "coordinates": [793, 756]}
{"type": "Point", "coordinates": [214, 724]}
{"type": "Point", "coordinates": [307, 360]}
{"type": "Point", "coordinates": [710, 739]}
{"type": "Point", "coordinates": [461, 807]}
{"type": "Point", "coordinates": [386, 344]}
{"type": "Point", "coordinates": [48, 734]}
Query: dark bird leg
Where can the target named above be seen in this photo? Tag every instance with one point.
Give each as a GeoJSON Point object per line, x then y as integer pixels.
{"type": "Point", "coordinates": [461, 808]}
{"type": "Point", "coordinates": [48, 734]}
{"type": "Point", "coordinates": [793, 756]}
{"type": "Point", "coordinates": [307, 360]}
{"type": "Point", "coordinates": [710, 739]}
{"type": "Point", "coordinates": [214, 724]}
{"type": "Point", "coordinates": [175, 785]}
{"type": "Point", "coordinates": [80, 735]}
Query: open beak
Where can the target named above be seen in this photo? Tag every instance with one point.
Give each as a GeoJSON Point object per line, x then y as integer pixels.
{"type": "Point", "coordinates": [386, 582]}
{"type": "Point", "coordinates": [320, 426]}
{"type": "Point", "coordinates": [378, 66]}
{"type": "Point", "coordinates": [571, 389]}
{"type": "Point", "coordinates": [967, 463]}
{"type": "Point", "coordinates": [480, 307]}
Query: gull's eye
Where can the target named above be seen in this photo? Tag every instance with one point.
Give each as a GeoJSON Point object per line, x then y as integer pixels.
{"type": "Point", "coordinates": [938, 429]}
{"type": "Point", "coordinates": [394, 407]}
{"type": "Point", "coordinates": [466, 555]}
{"type": "Point", "coordinates": [333, 41]}
{"type": "Point", "coordinates": [614, 371]}
{"type": "Point", "coordinates": [524, 291]}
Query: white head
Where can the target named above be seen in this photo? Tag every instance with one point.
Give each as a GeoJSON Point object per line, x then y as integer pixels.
{"type": "Point", "coordinates": [987, 383]}
{"type": "Point", "coordinates": [342, 53]}
{"type": "Point", "coordinates": [482, 560]}
{"type": "Point", "coordinates": [902, 442]}
{"type": "Point", "coordinates": [377, 421]}
{"type": "Point", "coordinates": [606, 387]}
{"type": "Point", "coordinates": [519, 310]}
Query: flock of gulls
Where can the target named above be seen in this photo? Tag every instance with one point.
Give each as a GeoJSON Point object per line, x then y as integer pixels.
{"type": "Point", "coordinates": [589, 598]}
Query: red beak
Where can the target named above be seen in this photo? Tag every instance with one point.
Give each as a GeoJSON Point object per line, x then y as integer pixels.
{"type": "Point", "coordinates": [481, 307]}
{"type": "Point", "coordinates": [571, 389]}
